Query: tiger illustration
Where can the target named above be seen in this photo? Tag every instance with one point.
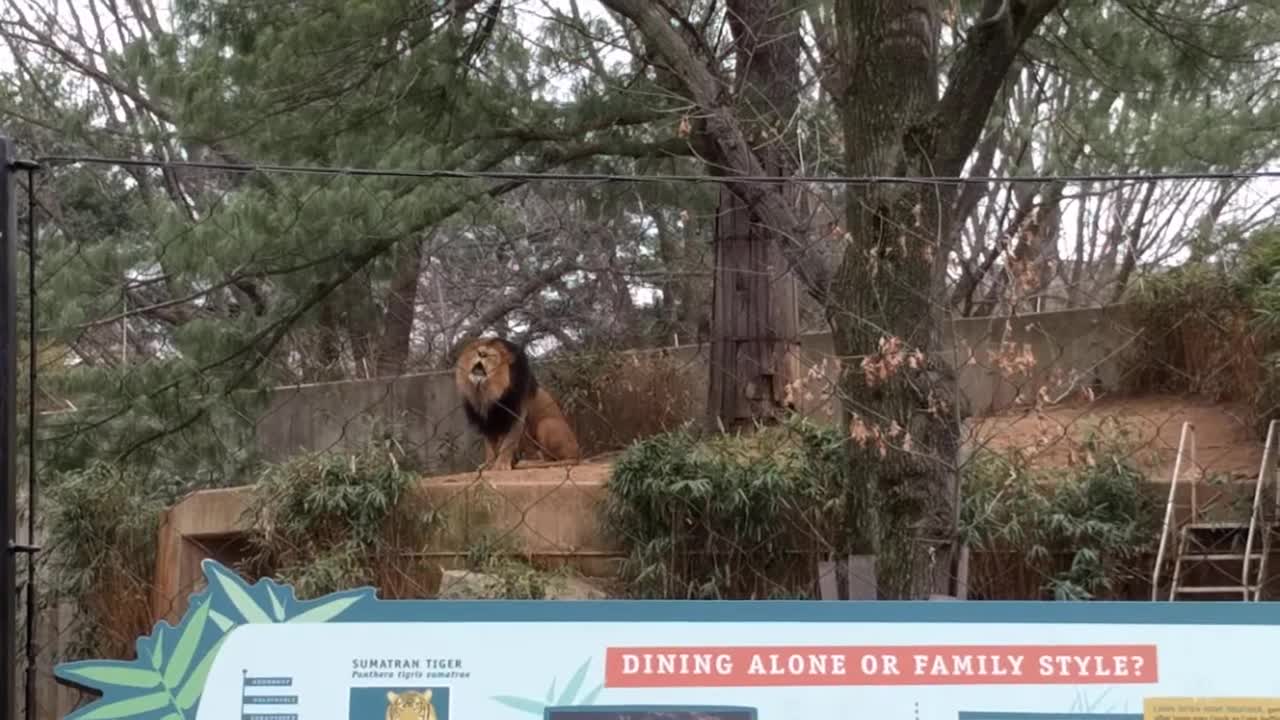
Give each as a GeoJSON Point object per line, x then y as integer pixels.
{"type": "Point", "coordinates": [410, 705]}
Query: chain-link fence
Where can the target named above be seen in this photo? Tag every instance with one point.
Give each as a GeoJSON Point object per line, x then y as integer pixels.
{"type": "Point", "coordinates": [254, 365]}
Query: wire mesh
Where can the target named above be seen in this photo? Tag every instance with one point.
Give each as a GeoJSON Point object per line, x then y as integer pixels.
{"type": "Point", "coordinates": [185, 357]}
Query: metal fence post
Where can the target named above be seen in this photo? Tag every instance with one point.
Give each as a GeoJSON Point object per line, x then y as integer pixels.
{"type": "Point", "coordinates": [8, 423]}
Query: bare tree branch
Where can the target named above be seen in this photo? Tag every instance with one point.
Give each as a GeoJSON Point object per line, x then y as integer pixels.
{"type": "Point", "coordinates": [725, 132]}
{"type": "Point", "coordinates": [980, 70]}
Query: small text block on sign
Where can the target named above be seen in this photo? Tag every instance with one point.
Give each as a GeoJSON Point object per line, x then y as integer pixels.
{"type": "Point", "coordinates": [1204, 708]}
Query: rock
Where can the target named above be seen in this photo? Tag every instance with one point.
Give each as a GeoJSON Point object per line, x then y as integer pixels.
{"type": "Point", "coordinates": [471, 585]}
{"type": "Point", "coordinates": [574, 588]}
{"type": "Point", "coordinates": [468, 585]}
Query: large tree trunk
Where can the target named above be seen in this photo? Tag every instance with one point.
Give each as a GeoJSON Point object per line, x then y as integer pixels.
{"type": "Point", "coordinates": [887, 296]}
{"type": "Point", "coordinates": [398, 317]}
{"type": "Point", "coordinates": [884, 298]}
{"type": "Point", "coordinates": [755, 346]}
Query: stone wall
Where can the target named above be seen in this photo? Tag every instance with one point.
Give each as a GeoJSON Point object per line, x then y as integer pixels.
{"type": "Point", "coordinates": [1003, 362]}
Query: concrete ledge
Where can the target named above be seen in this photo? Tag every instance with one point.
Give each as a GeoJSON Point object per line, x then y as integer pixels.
{"type": "Point", "coordinates": [549, 513]}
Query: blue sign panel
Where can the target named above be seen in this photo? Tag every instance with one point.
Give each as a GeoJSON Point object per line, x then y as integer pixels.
{"type": "Point", "coordinates": [256, 652]}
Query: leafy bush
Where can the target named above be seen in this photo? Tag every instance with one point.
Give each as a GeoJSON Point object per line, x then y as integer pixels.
{"type": "Point", "coordinates": [1069, 534]}
{"type": "Point", "coordinates": [1213, 329]}
{"type": "Point", "coordinates": [1196, 334]}
{"type": "Point", "coordinates": [1262, 275]}
{"type": "Point", "coordinates": [102, 548]}
{"type": "Point", "coordinates": [613, 398]}
{"type": "Point", "coordinates": [330, 521]}
{"type": "Point", "coordinates": [734, 516]}
{"type": "Point", "coordinates": [499, 573]}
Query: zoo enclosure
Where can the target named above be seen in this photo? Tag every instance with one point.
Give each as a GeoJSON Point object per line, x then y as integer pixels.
{"type": "Point", "coordinates": [1008, 379]}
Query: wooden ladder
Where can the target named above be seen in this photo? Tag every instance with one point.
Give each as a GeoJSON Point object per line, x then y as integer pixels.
{"type": "Point", "coordinates": [1237, 551]}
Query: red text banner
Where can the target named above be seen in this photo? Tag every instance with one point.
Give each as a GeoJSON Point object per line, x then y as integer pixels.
{"type": "Point", "coordinates": [745, 666]}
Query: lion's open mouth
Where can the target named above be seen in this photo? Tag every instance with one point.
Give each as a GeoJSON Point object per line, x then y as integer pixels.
{"type": "Point", "coordinates": [477, 373]}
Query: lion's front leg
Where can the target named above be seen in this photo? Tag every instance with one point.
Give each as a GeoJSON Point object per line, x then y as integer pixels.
{"type": "Point", "coordinates": [490, 452]}
{"type": "Point", "coordinates": [509, 448]}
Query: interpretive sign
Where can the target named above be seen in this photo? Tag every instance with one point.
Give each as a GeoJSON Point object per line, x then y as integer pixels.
{"type": "Point", "coordinates": [256, 652]}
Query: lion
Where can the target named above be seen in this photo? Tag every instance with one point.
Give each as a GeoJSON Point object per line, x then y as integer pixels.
{"type": "Point", "coordinates": [505, 404]}
{"type": "Point", "coordinates": [410, 705]}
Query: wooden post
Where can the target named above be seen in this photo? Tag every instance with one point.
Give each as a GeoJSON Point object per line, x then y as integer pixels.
{"type": "Point", "coordinates": [852, 579]}
{"type": "Point", "coordinates": [755, 343]}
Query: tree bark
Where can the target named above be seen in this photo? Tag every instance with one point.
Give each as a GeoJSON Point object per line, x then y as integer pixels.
{"type": "Point", "coordinates": [328, 361]}
{"type": "Point", "coordinates": [669, 254]}
{"type": "Point", "coordinates": [398, 316]}
{"type": "Point", "coordinates": [887, 296]}
{"type": "Point", "coordinates": [882, 293]}
{"type": "Point", "coordinates": [755, 347]}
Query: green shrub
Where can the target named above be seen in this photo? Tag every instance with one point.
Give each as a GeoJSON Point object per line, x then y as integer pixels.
{"type": "Point", "coordinates": [1262, 275]}
{"type": "Point", "coordinates": [1213, 330]}
{"type": "Point", "coordinates": [735, 516]}
{"type": "Point", "coordinates": [1196, 336]}
{"type": "Point", "coordinates": [329, 521]}
{"type": "Point", "coordinates": [1075, 533]}
{"type": "Point", "coordinates": [500, 573]}
{"type": "Point", "coordinates": [102, 550]}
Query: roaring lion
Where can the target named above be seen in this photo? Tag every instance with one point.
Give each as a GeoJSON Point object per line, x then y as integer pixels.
{"type": "Point", "coordinates": [505, 404]}
{"type": "Point", "coordinates": [410, 705]}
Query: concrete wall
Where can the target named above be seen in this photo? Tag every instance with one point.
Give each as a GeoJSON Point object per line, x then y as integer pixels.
{"type": "Point", "coordinates": [551, 514]}
{"type": "Point", "coordinates": [659, 389]}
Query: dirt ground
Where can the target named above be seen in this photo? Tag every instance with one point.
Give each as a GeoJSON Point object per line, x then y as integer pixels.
{"type": "Point", "coordinates": [1053, 437]}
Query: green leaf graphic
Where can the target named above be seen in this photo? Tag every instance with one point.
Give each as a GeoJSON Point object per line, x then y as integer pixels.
{"type": "Point", "coordinates": [533, 707]}
{"type": "Point", "coordinates": [128, 707]}
{"type": "Point", "coordinates": [118, 675]}
{"type": "Point", "coordinates": [325, 612]}
{"type": "Point", "coordinates": [191, 689]}
{"type": "Point", "coordinates": [180, 661]}
{"type": "Point", "coordinates": [157, 652]}
{"type": "Point", "coordinates": [590, 699]}
{"type": "Point", "coordinates": [575, 684]}
{"type": "Point", "coordinates": [238, 597]}
{"type": "Point", "coordinates": [172, 716]}
{"type": "Point", "coordinates": [276, 607]}
{"type": "Point", "coordinates": [223, 622]}
{"type": "Point", "coordinates": [551, 692]}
